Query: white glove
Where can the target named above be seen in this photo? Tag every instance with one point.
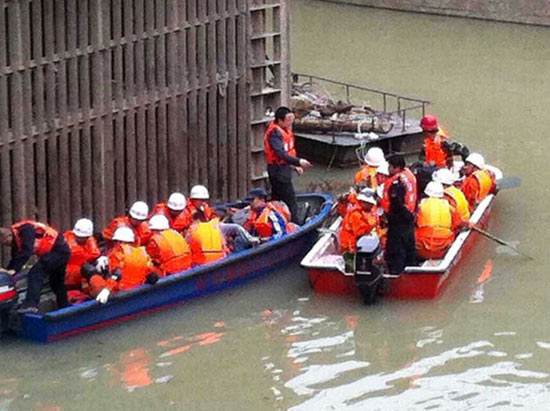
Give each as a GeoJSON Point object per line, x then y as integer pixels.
{"type": "Point", "coordinates": [102, 263]}
{"type": "Point", "coordinates": [380, 191]}
{"type": "Point", "coordinates": [103, 296]}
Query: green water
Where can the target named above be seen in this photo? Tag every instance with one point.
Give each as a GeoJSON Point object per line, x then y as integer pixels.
{"type": "Point", "coordinates": [273, 344]}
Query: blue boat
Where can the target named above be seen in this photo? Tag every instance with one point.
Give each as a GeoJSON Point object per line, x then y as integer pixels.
{"type": "Point", "coordinates": [235, 269]}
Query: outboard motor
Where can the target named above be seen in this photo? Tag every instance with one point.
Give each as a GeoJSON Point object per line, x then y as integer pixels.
{"type": "Point", "coordinates": [367, 275]}
{"type": "Point", "coordinates": [8, 298]}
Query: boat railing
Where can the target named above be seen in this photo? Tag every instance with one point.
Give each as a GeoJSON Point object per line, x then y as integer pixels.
{"type": "Point", "coordinates": [390, 104]}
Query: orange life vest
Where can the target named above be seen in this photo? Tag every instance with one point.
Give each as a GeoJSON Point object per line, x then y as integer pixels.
{"type": "Point", "coordinates": [434, 233]}
{"type": "Point", "coordinates": [367, 176]}
{"type": "Point", "coordinates": [142, 232]}
{"type": "Point", "coordinates": [207, 242]}
{"type": "Point", "coordinates": [458, 200]}
{"type": "Point", "coordinates": [133, 262]}
{"type": "Point", "coordinates": [409, 180]}
{"type": "Point", "coordinates": [264, 223]}
{"type": "Point", "coordinates": [477, 186]}
{"type": "Point", "coordinates": [357, 223]}
{"type": "Point", "coordinates": [434, 151]}
{"type": "Point", "coordinates": [179, 223]}
{"type": "Point", "coordinates": [44, 238]}
{"type": "Point", "coordinates": [288, 143]}
{"type": "Point", "coordinates": [169, 251]}
{"type": "Point", "coordinates": [80, 254]}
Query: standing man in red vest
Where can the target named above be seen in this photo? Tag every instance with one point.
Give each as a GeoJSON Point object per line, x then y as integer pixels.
{"type": "Point", "coordinates": [29, 238]}
{"type": "Point", "coordinates": [281, 158]}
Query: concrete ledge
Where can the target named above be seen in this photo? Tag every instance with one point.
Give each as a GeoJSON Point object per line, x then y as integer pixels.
{"type": "Point", "coordinates": [536, 12]}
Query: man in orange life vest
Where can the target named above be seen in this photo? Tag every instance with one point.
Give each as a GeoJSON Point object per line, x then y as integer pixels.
{"type": "Point", "coordinates": [360, 220]}
{"type": "Point", "coordinates": [398, 171]}
{"type": "Point", "coordinates": [205, 239]}
{"type": "Point", "coordinates": [126, 266]}
{"type": "Point", "coordinates": [84, 250]}
{"type": "Point", "coordinates": [454, 195]}
{"type": "Point", "coordinates": [30, 237]}
{"type": "Point", "coordinates": [478, 182]}
{"type": "Point", "coordinates": [136, 220]}
{"type": "Point", "coordinates": [167, 248]}
{"type": "Point", "coordinates": [366, 177]}
{"type": "Point", "coordinates": [175, 211]}
{"type": "Point", "coordinates": [281, 159]}
{"type": "Point", "coordinates": [436, 223]}
{"type": "Point", "coordinates": [198, 200]}
{"type": "Point", "coordinates": [264, 220]}
{"type": "Point", "coordinates": [434, 151]}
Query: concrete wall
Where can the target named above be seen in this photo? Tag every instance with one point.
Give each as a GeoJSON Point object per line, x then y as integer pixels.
{"type": "Point", "coordinates": [517, 11]}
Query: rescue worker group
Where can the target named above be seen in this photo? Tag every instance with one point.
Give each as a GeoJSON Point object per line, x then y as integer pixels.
{"type": "Point", "coordinates": [144, 245]}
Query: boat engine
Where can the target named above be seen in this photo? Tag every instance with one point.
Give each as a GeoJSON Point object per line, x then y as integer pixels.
{"type": "Point", "coordinates": [8, 298]}
{"type": "Point", "coordinates": [367, 275]}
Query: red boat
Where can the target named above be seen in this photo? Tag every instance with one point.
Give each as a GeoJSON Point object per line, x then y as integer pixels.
{"type": "Point", "coordinates": [327, 275]}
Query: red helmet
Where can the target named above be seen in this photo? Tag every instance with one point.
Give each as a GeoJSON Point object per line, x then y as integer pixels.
{"type": "Point", "coordinates": [429, 123]}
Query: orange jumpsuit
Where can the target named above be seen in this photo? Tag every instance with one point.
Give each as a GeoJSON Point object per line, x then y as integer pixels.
{"type": "Point", "coordinates": [357, 223]}
{"type": "Point", "coordinates": [169, 251]}
{"type": "Point", "coordinates": [207, 210]}
{"type": "Point", "coordinates": [134, 265]}
{"type": "Point", "coordinates": [141, 232]}
{"type": "Point", "coordinates": [80, 254]}
{"type": "Point", "coordinates": [434, 151]}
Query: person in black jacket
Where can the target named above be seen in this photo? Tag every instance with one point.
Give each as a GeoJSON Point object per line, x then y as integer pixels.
{"type": "Point", "coordinates": [281, 159]}
{"type": "Point", "coordinates": [400, 246]}
{"type": "Point", "coordinates": [29, 238]}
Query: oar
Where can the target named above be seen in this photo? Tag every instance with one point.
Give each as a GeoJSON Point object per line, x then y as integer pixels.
{"type": "Point", "coordinates": [499, 240]}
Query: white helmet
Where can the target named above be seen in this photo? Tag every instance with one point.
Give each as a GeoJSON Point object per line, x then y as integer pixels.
{"type": "Point", "coordinates": [434, 189]}
{"type": "Point", "coordinates": [159, 222]}
{"type": "Point", "coordinates": [374, 157]}
{"type": "Point", "coordinates": [367, 195]}
{"type": "Point", "coordinates": [444, 176]}
{"type": "Point", "coordinates": [384, 169]}
{"type": "Point", "coordinates": [176, 202]}
{"type": "Point", "coordinates": [83, 228]}
{"type": "Point", "coordinates": [124, 234]}
{"type": "Point", "coordinates": [477, 160]}
{"type": "Point", "coordinates": [199, 192]}
{"type": "Point", "coordinates": [139, 210]}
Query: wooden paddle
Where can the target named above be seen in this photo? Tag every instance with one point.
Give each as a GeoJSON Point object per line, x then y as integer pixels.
{"type": "Point", "coordinates": [499, 240]}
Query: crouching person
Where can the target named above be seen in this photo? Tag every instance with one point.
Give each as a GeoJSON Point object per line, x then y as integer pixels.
{"type": "Point", "coordinates": [125, 267]}
{"type": "Point", "coordinates": [266, 220]}
{"type": "Point", "coordinates": [167, 248]}
{"type": "Point", "coordinates": [84, 249]}
{"type": "Point", "coordinates": [29, 238]}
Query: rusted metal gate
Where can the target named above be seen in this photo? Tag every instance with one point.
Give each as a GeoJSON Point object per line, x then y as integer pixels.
{"type": "Point", "coordinates": [103, 102]}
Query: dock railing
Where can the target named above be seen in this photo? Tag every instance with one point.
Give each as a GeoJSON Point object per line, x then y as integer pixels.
{"type": "Point", "coordinates": [389, 104]}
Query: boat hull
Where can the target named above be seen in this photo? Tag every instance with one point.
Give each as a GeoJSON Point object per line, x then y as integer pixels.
{"type": "Point", "coordinates": [232, 271]}
{"type": "Point", "coordinates": [412, 284]}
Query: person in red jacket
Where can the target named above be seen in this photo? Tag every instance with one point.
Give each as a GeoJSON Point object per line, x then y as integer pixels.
{"type": "Point", "coordinates": [167, 248]}
{"type": "Point", "coordinates": [359, 221]}
{"type": "Point", "coordinates": [265, 220]}
{"type": "Point", "coordinates": [136, 220]}
{"type": "Point", "coordinates": [398, 171]}
{"type": "Point", "coordinates": [29, 238]}
{"type": "Point", "coordinates": [478, 182]}
{"type": "Point", "coordinates": [281, 159]}
{"type": "Point", "coordinates": [175, 211]}
{"type": "Point", "coordinates": [84, 249]}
